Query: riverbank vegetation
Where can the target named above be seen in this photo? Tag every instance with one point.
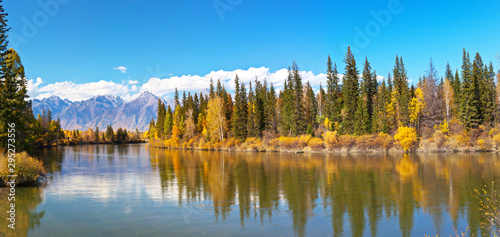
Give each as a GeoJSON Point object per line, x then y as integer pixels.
{"type": "Point", "coordinates": [355, 112]}
{"type": "Point", "coordinates": [25, 168]}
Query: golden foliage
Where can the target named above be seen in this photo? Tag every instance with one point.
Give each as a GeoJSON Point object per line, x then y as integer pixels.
{"type": "Point", "coordinates": [489, 202]}
{"type": "Point", "coordinates": [384, 140]}
{"type": "Point", "coordinates": [331, 140]}
{"type": "Point", "coordinates": [316, 144]}
{"type": "Point", "coordinates": [216, 119]}
{"type": "Point", "coordinates": [416, 105]}
{"type": "Point", "coordinates": [26, 168]}
{"type": "Point", "coordinates": [407, 137]}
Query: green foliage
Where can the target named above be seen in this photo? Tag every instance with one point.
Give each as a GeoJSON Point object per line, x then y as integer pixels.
{"type": "Point", "coordinates": [160, 122]}
{"type": "Point", "coordinates": [110, 134]}
{"type": "Point", "coordinates": [333, 102]}
{"type": "Point", "coordinates": [350, 92]}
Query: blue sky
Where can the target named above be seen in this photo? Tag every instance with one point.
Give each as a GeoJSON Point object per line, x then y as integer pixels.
{"type": "Point", "coordinates": [75, 48]}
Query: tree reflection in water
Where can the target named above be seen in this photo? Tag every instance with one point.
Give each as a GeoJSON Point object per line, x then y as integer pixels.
{"type": "Point", "coordinates": [358, 192]}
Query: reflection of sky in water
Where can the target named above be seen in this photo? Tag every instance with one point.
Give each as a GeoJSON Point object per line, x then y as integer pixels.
{"type": "Point", "coordinates": [133, 190]}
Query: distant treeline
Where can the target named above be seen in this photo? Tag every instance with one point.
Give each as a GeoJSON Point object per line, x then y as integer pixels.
{"type": "Point", "coordinates": [459, 109]}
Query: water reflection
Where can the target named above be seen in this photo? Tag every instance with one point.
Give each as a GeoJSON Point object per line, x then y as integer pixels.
{"type": "Point", "coordinates": [27, 217]}
{"type": "Point", "coordinates": [359, 193]}
{"type": "Point", "coordinates": [134, 190]}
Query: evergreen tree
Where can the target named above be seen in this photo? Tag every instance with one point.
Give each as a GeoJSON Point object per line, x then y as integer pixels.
{"type": "Point", "coordinates": [176, 98]}
{"type": "Point", "coordinates": [469, 113]}
{"type": "Point", "coordinates": [110, 134]}
{"type": "Point", "coordinates": [251, 126]}
{"type": "Point", "coordinates": [350, 92]}
{"type": "Point", "coordinates": [96, 132]}
{"type": "Point", "coordinates": [287, 105]}
{"type": "Point", "coordinates": [333, 105]}
{"type": "Point", "coordinates": [239, 112]}
{"type": "Point", "coordinates": [211, 90]}
{"type": "Point", "coordinates": [15, 110]}
{"type": "Point", "coordinates": [311, 109]}
{"type": "Point", "coordinates": [298, 105]}
{"type": "Point", "coordinates": [272, 116]}
{"type": "Point", "coordinates": [368, 91]}
{"type": "Point", "coordinates": [160, 122]}
{"type": "Point", "coordinates": [169, 122]}
{"type": "Point", "coordinates": [486, 90]}
{"type": "Point", "coordinates": [383, 98]}
{"type": "Point", "coordinates": [260, 111]}
{"type": "Point", "coordinates": [402, 92]}
{"type": "Point", "coordinates": [178, 120]}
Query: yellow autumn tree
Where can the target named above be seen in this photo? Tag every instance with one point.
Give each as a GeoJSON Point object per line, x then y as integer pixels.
{"type": "Point", "coordinates": [407, 137]}
{"type": "Point", "coordinates": [390, 109]}
{"type": "Point", "coordinates": [175, 135]}
{"type": "Point", "coordinates": [416, 107]}
{"type": "Point", "coordinates": [216, 119]}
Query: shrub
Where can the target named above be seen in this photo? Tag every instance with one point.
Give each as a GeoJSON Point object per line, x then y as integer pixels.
{"type": "Point", "coordinates": [407, 137]}
{"type": "Point", "coordinates": [331, 140]}
{"type": "Point", "coordinates": [365, 142]}
{"type": "Point", "coordinates": [231, 143]}
{"type": "Point", "coordinates": [252, 144]}
{"type": "Point", "coordinates": [439, 138]}
{"type": "Point", "coordinates": [26, 168]}
{"type": "Point", "coordinates": [496, 140]}
{"type": "Point", "coordinates": [384, 140]}
{"type": "Point", "coordinates": [347, 141]}
{"type": "Point", "coordinates": [464, 139]}
{"type": "Point", "coordinates": [302, 141]}
{"type": "Point", "coordinates": [483, 144]}
{"type": "Point", "coordinates": [316, 144]}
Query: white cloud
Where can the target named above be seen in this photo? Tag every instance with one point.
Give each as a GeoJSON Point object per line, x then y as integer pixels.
{"type": "Point", "coordinates": [76, 92]}
{"type": "Point", "coordinates": [131, 89]}
{"type": "Point", "coordinates": [121, 68]}
{"type": "Point", "coordinates": [163, 86]}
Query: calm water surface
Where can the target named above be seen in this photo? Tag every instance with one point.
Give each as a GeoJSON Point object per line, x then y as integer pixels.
{"type": "Point", "coordinates": [134, 190]}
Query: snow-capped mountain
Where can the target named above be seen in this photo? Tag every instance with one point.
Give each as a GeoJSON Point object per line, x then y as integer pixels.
{"type": "Point", "coordinates": [101, 111]}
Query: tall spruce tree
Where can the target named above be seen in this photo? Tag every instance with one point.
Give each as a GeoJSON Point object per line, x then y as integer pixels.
{"type": "Point", "coordinates": [402, 92]}
{"type": "Point", "coordinates": [287, 105]}
{"type": "Point", "coordinates": [350, 92]}
{"type": "Point", "coordinates": [298, 97]}
{"type": "Point", "coordinates": [272, 116]}
{"type": "Point", "coordinates": [311, 108]}
{"type": "Point", "coordinates": [333, 103]}
{"type": "Point", "coordinates": [469, 113]}
{"type": "Point", "coordinates": [239, 112]}
{"type": "Point", "coordinates": [368, 91]}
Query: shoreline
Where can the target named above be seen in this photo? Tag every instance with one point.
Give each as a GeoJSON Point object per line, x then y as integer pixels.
{"type": "Point", "coordinates": [338, 151]}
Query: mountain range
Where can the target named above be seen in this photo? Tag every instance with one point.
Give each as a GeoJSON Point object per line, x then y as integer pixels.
{"type": "Point", "coordinates": [101, 111]}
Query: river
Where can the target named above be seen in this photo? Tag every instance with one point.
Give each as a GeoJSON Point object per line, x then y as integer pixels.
{"type": "Point", "coordinates": [136, 190]}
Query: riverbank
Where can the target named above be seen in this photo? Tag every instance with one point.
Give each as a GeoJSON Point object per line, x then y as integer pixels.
{"type": "Point", "coordinates": [332, 142]}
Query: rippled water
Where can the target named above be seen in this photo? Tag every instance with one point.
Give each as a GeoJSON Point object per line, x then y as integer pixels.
{"type": "Point", "coordinates": [134, 190]}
